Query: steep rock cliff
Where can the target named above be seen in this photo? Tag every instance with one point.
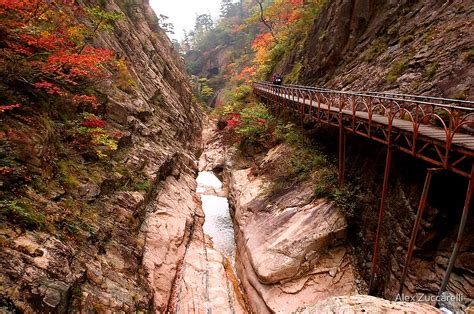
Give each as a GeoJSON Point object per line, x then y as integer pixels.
{"type": "Point", "coordinates": [407, 46]}
{"type": "Point", "coordinates": [416, 47]}
{"type": "Point", "coordinates": [82, 233]}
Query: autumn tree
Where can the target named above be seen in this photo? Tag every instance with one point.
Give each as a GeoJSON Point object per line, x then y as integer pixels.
{"type": "Point", "coordinates": [285, 23]}
{"type": "Point", "coordinates": [44, 50]}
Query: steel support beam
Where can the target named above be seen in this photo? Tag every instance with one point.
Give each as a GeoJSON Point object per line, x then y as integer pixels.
{"type": "Point", "coordinates": [342, 154]}
{"type": "Point", "coordinates": [462, 225]}
{"type": "Point", "coordinates": [388, 162]}
{"type": "Point", "coordinates": [416, 224]}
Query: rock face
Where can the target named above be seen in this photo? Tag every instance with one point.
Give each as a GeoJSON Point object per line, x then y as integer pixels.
{"type": "Point", "coordinates": [108, 235]}
{"type": "Point", "coordinates": [187, 273]}
{"type": "Point", "coordinates": [290, 248]}
{"type": "Point", "coordinates": [416, 47]}
{"type": "Point", "coordinates": [407, 46]}
{"type": "Point", "coordinates": [367, 304]}
{"type": "Point", "coordinates": [206, 282]}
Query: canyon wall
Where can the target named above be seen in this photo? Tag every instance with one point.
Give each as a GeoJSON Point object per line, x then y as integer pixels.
{"type": "Point", "coordinates": [416, 47]}
{"type": "Point", "coordinates": [405, 46]}
{"type": "Point", "coordinates": [105, 234]}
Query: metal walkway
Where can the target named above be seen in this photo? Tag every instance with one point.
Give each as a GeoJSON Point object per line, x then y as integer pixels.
{"type": "Point", "coordinates": [437, 130]}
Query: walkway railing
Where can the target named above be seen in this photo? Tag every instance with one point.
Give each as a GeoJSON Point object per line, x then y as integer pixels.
{"type": "Point", "coordinates": [436, 130]}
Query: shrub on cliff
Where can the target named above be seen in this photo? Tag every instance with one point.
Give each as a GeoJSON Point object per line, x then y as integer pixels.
{"type": "Point", "coordinates": [45, 55]}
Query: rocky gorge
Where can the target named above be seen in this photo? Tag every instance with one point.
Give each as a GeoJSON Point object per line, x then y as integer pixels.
{"type": "Point", "coordinates": [141, 230]}
{"type": "Point", "coordinates": [292, 253]}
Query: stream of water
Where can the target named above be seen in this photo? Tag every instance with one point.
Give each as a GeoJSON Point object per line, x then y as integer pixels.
{"type": "Point", "coordinates": [218, 222]}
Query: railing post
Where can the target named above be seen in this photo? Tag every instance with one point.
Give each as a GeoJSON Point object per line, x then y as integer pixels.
{"type": "Point", "coordinates": [465, 213]}
{"type": "Point", "coordinates": [388, 162]}
{"type": "Point", "coordinates": [416, 225]}
{"type": "Point", "coordinates": [303, 106]}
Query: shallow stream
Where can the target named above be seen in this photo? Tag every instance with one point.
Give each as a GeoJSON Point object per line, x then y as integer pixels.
{"type": "Point", "coordinates": [218, 222]}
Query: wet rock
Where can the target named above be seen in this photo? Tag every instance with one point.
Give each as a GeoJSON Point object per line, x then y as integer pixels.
{"type": "Point", "coordinates": [465, 261]}
{"type": "Point", "coordinates": [213, 156]}
{"type": "Point", "coordinates": [448, 301]}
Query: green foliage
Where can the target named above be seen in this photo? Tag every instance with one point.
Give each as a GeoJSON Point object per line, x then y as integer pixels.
{"type": "Point", "coordinates": [405, 39]}
{"type": "Point", "coordinates": [326, 184]}
{"type": "Point", "coordinates": [68, 171]}
{"type": "Point", "coordinates": [292, 78]}
{"type": "Point", "coordinates": [397, 69]}
{"type": "Point", "coordinates": [305, 162]}
{"type": "Point", "coordinates": [143, 185]}
{"type": "Point", "coordinates": [275, 54]}
{"type": "Point", "coordinates": [392, 30]}
{"type": "Point", "coordinates": [241, 93]}
{"type": "Point", "coordinates": [205, 91]}
{"type": "Point", "coordinates": [23, 214]}
{"type": "Point", "coordinates": [157, 98]}
{"type": "Point", "coordinates": [469, 56]}
{"type": "Point", "coordinates": [460, 94]}
{"type": "Point", "coordinates": [102, 19]}
{"type": "Point", "coordinates": [254, 125]}
{"type": "Point", "coordinates": [91, 133]}
{"type": "Point", "coordinates": [431, 69]}
{"type": "Point", "coordinates": [193, 67]}
{"type": "Point", "coordinates": [374, 51]}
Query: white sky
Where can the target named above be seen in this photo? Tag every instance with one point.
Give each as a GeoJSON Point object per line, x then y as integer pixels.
{"type": "Point", "coordinates": [182, 13]}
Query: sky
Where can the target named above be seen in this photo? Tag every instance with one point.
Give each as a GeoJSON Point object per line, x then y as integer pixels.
{"type": "Point", "coordinates": [182, 13]}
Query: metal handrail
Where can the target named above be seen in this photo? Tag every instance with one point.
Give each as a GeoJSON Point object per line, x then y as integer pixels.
{"type": "Point", "coordinates": [468, 105]}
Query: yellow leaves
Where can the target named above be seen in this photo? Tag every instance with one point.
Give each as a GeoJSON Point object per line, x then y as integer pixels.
{"type": "Point", "coordinates": [291, 20]}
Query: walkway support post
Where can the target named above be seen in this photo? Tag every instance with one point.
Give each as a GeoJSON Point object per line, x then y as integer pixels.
{"type": "Point", "coordinates": [388, 162]}
{"type": "Point", "coordinates": [457, 245]}
{"type": "Point", "coordinates": [342, 152]}
{"type": "Point", "coordinates": [416, 224]}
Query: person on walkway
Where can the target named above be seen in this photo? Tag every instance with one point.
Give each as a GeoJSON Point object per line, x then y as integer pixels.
{"type": "Point", "coordinates": [277, 79]}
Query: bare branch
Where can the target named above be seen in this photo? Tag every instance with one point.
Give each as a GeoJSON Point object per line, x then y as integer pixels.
{"type": "Point", "coordinates": [268, 24]}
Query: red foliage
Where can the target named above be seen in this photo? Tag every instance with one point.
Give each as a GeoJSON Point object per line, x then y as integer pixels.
{"type": "Point", "coordinates": [117, 135]}
{"type": "Point", "coordinates": [5, 170]}
{"type": "Point", "coordinates": [45, 40]}
{"type": "Point", "coordinates": [9, 107]}
{"type": "Point", "coordinates": [233, 121]}
{"type": "Point", "coordinates": [94, 123]}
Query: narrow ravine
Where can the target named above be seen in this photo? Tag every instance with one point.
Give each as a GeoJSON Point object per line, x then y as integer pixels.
{"type": "Point", "coordinates": [218, 223]}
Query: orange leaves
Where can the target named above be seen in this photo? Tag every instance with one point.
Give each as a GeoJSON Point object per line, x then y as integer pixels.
{"type": "Point", "coordinates": [78, 99]}
{"type": "Point", "coordinates": [71, 65]}
{"type": "Point", "coordinates": [262, 41]}
{"type": "Point", "coordinates": [44, 40]}
{"type": "Point", "coordinates": [247, 73]}
{"type": "Point", "coordinates": [282, 12]}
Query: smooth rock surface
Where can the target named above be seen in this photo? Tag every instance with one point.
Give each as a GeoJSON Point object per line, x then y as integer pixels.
{"type": "Point", "coordinates": [365, 304]}
{"type": "Point", "coordinates": [290, 248]}
{"type": "Point", "coordinates": [206, 283]}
